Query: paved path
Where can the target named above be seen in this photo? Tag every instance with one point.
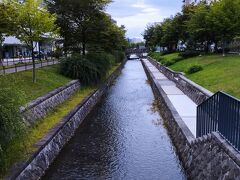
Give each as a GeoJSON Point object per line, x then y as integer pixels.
{"type": "Point", "coordinates": [27, 67]}
{"type": "Point", "coordinates": [185, 107]}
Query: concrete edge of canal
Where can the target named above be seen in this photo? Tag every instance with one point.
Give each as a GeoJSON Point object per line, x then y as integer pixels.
{"type": "Point", "coordinates": [51, 145]}
{"type": "Point", "coordinates": [207, 157]}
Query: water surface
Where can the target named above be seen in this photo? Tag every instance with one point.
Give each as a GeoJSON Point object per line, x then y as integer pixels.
{"type": "Point", "coordinates": [123, 138]}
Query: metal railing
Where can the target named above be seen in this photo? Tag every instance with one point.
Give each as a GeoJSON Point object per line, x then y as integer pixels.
{"type": "Point", "coordinates": [14, 65]}
{"type": "Point", "coordinates": [220, 113]}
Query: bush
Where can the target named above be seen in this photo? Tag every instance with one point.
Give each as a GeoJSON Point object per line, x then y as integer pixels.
{"type": "Point", "coordinates": [177, 59]}
{"type": "Point", "coordinates": [168, 63]}
{"type": "Point", "coordinates": [119, 56]}
{"type": "Point", "coordinates": [194, 69]}
{"type": "Point", "coordinates": [189, 53]}
{"type": "Point", "coordinates": [11, 121]}
{"type": "Point", "coordinates": [89, 69]}
{"type": "Point", "coordinates": [166, 52]}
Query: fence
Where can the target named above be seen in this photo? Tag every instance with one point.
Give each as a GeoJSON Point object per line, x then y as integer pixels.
{"type": "Point", "coordinates": [220, 113]}
{"type": "Point", "coordinates": [15, 64]}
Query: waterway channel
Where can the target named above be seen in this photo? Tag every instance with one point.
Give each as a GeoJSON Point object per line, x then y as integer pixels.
{"type": "Point", "coordinates": [123, 138]}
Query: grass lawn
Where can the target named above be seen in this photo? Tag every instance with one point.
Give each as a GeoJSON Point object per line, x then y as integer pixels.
{"type": "Point", "coordinates": [22, 148]}
{"type": "Point", "coordinates": [219, 73]}
{"type": "Point", "coordinates": [167, 57]}
{"type": "Point", "coordinates": [47, 79]}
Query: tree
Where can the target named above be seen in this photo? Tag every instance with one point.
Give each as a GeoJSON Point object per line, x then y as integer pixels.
{"type": "Point", "coordinates": [77, 21]}
{"type": "Point", "coordinates": [7, 23]}
{"type": "Point", "coordinates": [149, 37]}
{"type": "Point", "coordinates": [33, 21]}
{"type": "Point", "coordinates": [225, 18]}
{"type": "Point", "coordinates": [199, 26]}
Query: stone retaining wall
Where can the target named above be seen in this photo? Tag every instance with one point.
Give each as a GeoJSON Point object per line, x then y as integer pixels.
{"type": "Point", "coordinates": [39, 108]}
{"type": "Point", "coordinates": [208, 157]}
{"type": "Point", "coordinates": [50, 146]}
{"type": "Point", "coordinates": [197, 93]}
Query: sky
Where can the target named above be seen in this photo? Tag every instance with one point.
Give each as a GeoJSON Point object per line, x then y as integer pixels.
{"type": "Point", "coordinates": [135, 15]}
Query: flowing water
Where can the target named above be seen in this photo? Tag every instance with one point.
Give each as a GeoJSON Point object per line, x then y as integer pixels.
{"type": "Point", "coordinates": [123, 138]}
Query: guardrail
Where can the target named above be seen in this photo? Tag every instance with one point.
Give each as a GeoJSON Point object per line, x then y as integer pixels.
{"type": "Point", "coordinates": [220, 113]}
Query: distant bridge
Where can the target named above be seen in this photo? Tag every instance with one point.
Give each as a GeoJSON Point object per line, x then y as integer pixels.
{"type": "Point", "coordinates": [137, 51]}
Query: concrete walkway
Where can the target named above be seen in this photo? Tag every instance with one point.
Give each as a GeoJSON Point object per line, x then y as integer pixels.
{"type": "Point", "coordinates": [185, 107]}
{"type": "Point", "coordinates": [27, 67]}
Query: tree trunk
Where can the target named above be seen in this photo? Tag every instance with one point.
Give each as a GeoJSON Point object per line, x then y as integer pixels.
{"type": "Point", "coordinates": [1, 51]}
{"type": "Point", "coordinates": [223, 45]}
{"type": "Point", "coordinates": [215, 47]}
{"type": "Point", "coordinates": [34, 66]}
{"type": "Point", "coordinates": [83, 48]}
{"type": "Point", "coordinates": [223, 48]}
{"type": "Point", "coordinates": [83, 42]}
{"type": "Point", "coordinates": [39, 53]}
{"type": "Point", "coordinates": [1, 54]}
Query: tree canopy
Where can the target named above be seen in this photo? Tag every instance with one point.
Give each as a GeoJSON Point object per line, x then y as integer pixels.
{"type": "Point", "coordinates": [84, 25]}
{"type": "Point", "coordinates": [198, 25]}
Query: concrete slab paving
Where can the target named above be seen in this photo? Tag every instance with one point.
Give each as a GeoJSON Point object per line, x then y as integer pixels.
{"type": "Point", "coordinates": [191, 124]}
{"type": "Point", "coordinates": [159, 76]}
{"type": "Point", "coordinates": [172, 90]}
{"type": "Point", "coordinates": [185, 107]}
{"type": "Point", "coordinates": [166, 83]}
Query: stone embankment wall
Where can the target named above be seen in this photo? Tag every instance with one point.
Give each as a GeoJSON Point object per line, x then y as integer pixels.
{"type": "Point", "coordinates": [208, 157]}
{"type": "Point", "coordinates": [197, 93]}
{"type": "Point", "coordinates": [39, 108]}
{"type": "Point", "coordinates": [50, 146]}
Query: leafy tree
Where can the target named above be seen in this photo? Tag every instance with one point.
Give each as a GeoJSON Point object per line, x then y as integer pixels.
{"type": "Point", "coordinates": [225, 18]}
{"type": "Point", "coordinates": [199, 26]}
{"type": "Point", "coordinates": [106, 35]}
{"type": "Point", "coordinates": [7, 23]}
{"type": "Point", "coordinates": [77, 21]}
{"type": "Point", "coordinates": [33, 21]}
{"type": "Point", "coordinates": [149, 37]}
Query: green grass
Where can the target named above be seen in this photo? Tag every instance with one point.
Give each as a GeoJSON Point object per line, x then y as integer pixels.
{"type": "Point", "coordinates": [22, 149]}
{"type": "Point", "coordinates": [47, 79]}
{"type": "Point", "coordinates": [219, 73]}
{"type": "Point", "coordinates": [159, 57]}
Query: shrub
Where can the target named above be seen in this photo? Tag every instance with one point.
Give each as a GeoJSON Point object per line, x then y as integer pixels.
{"type": "Point", "coordinates": [11, 121]}
{"type": "Point", "coordinates": [168, 63]}
{"type": "Point", "coordinates": [89, 69]}
{"type": "Point", "coordinates": [166, 52]}
{"type": "Point", "coordinates": [119, 56]}
{"type": "Point", "coordinates": [189, 53]}
{"type": "Point", "coordinates": [194, 69]}
{"type": "Point", "coordinates": [177, 59]}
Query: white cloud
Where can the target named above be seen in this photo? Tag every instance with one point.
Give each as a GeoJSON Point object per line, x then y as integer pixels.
{"type": "Point", "coordinates": [136, 14]}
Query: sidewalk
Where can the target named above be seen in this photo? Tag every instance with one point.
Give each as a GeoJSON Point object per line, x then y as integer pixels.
{"type": "Point", "coordinates": [26, 67]}
{"type": "Point", "coordinates": [185, 107]}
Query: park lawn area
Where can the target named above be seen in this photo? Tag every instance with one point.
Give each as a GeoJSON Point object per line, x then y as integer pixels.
{"type": "Point", "coordinates": [21, 149]}
{"type": "Point", "coordinates": [48, 79]}
{"type": "Point", "coordinates": [219, 73]}
{"type": "Point", "coordinates": [168, 57]}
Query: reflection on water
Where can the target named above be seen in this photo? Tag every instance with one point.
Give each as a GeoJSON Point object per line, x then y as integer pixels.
{"type": "Point", "coordinates": [123, 138]}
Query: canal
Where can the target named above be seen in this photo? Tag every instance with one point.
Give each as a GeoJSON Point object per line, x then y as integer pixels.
{"type": "Point", "coordinates": [123, 138]}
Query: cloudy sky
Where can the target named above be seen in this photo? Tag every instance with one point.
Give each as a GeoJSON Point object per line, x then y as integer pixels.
{"type": "Point", "coordinates": [136, 14]}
